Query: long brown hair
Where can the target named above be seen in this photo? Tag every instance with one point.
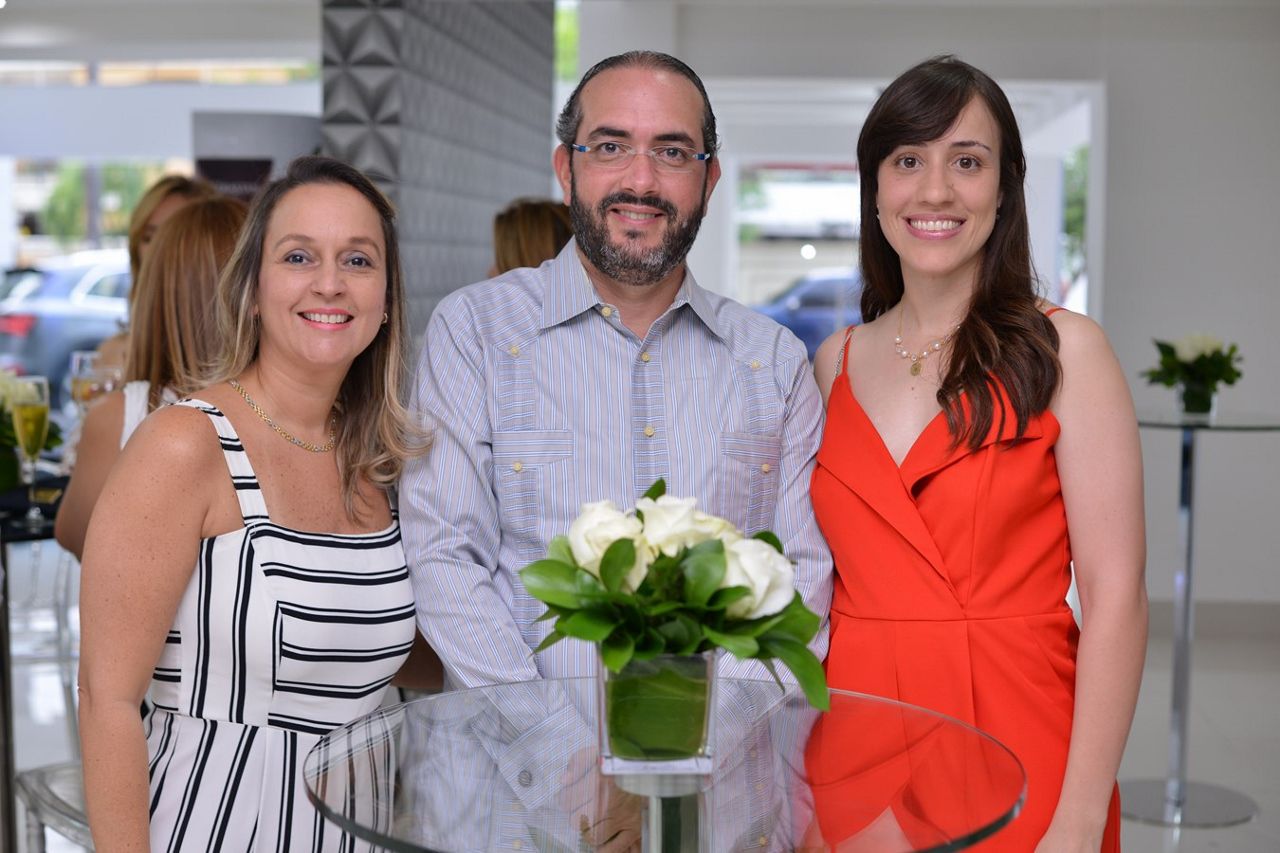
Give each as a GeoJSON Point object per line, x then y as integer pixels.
{"type": "Point", "coordinates": [375, 433]}
{"type": "Point", "coordinates": [174, 337]}
{"type": "Point", "coordinates": [529, 231]}
{"type": "Point", "coordinates": [1005, 344]}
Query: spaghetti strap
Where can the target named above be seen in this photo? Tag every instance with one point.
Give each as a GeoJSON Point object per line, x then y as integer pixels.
{"type": "Point", "coordinates": [253, 507]}
{"type": "Point", "coordinates": [1054, 309]}
{"type": "Point", "coordinates": [842, 360]}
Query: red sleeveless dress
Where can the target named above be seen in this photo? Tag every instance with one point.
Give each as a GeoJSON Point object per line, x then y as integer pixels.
{"type": "Point", "coordinates": [951, 578]}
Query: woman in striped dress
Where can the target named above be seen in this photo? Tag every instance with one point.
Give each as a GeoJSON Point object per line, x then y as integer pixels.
{"type": "Point", "coordinates": [244, 561]}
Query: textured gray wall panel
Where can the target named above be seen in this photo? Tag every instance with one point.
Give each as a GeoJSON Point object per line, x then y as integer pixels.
{"type": "Point", "coordinates": [448, 103]}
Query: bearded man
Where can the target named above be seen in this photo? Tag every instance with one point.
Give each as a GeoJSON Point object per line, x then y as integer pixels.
{"type": "Point", "coordinates": [590, 377]}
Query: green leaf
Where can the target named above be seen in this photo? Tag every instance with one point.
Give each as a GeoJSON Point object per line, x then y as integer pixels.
{"type": "Point", "coordinates": [590, 625]}
{"type": "Point", "coordinates": [771, 538]}
{"type": "Point", "coordinates": [1166, 350]}
{"type": "Point", "coordinates": [804, 666]}
{"type": "Point", "coordinates": [737, 645]}
{"type": "Point", "coordinates": [616, 651]}
{"type": "Point", "coordinates": [657, 490]}
{"type": "Point", "coordinates": [552, 582]}
{"type": "Point", "coordinates": [722, 598]}
{"type": "Point", "coordinates": [548, 641]}
{"type": "Point", "coordinates": [558, 549]}
{"type": "Point", "coordinates": [794, 622]}
{"type": "Point", "coordinates": [663, 608]}
{"type": "Point", "coordinates": [552, 612]}
{"type": "Point", "coordinates": [619, 558]}
{"type": "Point", "coordinates": [703, 567]}
{"type": "Point", "coordinates": [650, 645]}
{"type": "Point", "coordinates": [589, 588]}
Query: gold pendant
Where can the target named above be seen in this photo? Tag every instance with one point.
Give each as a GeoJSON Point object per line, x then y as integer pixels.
{"type": "Point", "coordinates": [916, 366]}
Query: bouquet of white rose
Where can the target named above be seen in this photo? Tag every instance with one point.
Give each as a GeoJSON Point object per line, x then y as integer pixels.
{"type": "Point", "coordinates": [1197, 363]}
{"type": "Point", "coordinates": [668, 579]}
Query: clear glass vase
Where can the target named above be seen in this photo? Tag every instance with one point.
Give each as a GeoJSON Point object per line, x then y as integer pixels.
{"type": "Point", "coordinates": [657, 716]}
{"type": "Point", "coordinates": [1197, 400]}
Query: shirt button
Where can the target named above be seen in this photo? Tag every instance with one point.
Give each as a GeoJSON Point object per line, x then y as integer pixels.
{"type": "Point", "coordinates": [525, 778]}
{"type": "Point", "coordinates": [606, 311]}
{"type": "Point", "coordinates": [755, 365]}
{"type": "Point", "coordinates": [515, 350]}
{"type": "Point", "coordinates": [648, 432]}
{"type": "Point", "coordinates": [764, 841]}
{"type": "Point", "coordinates": [645, 357]}
{"type": "Point", "coordinates": [759, 786]}
{"type": "Point", "coordinates": [765, 469]}
{"type": "Point", "coordinates": [517, 844]}
{"type": "Point", "coordinates": [517, 467]}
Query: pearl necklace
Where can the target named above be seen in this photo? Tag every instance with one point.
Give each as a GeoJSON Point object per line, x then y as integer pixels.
{"type": "Point", "coordinates": [918, 358]}
{"type": "Point", "coordinates": [305, 445]}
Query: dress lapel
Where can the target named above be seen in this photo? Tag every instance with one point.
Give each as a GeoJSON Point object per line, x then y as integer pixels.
{"type": "Point", "coordinates": [875, 478]}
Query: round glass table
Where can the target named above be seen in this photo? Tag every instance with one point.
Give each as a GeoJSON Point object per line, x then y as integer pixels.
{"type": "Point", "coordinates": [516, 767]}
{"type": "Point", "coordinates": [1174, 801]}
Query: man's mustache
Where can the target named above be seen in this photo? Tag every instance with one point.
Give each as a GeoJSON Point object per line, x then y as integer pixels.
{"type": "Point", "coordinates": [656, 202]}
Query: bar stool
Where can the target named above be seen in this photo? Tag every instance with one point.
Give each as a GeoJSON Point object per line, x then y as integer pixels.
{"type": "Point", "coordinates": [53, 797]}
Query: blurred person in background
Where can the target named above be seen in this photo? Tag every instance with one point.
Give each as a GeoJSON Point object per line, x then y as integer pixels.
{"type": "Point", "coordinates": [162, 200]}
{"type": "Point", "coordinates": [527, 232]}
{"type": "Point", "coordinates": [172, 339]}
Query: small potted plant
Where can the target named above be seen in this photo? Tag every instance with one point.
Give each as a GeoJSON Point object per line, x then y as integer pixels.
{"type": "Point", "coordinates": [1196, 364]}
{"type": "Point", "coordinates": [660, 590]}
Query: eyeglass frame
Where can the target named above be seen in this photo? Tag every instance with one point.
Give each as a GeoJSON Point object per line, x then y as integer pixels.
{"type": "Point", "coordinates": [697, 156]}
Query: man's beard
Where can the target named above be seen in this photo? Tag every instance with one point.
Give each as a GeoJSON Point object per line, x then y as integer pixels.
{"type": "Point", "coordinates": [617, 260]}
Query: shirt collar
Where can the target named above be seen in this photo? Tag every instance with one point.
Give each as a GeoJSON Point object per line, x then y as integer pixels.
{"type": "Point", "coordinates": [570, 293]}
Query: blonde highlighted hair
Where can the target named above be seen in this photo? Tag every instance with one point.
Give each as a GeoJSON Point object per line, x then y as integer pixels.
{"type": "Point", "coordinates": [174, 336]}
{"type": "Point", "coordinates": [375, 432]}
{"type": "Point", "coordinates": [151, 199]}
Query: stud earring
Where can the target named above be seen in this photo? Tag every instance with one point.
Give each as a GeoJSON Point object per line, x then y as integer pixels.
{"type": "Point", "coordinates": [384, 318]}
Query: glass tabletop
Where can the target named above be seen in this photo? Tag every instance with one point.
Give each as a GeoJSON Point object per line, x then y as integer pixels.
{"type": "Point", "coordinates": [1225, 421]}
{"type": "Point", "coordinates": [515, 767]}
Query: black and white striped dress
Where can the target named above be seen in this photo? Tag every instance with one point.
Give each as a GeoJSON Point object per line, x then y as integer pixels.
{"type": "Point", "coordinates": [280, 637]}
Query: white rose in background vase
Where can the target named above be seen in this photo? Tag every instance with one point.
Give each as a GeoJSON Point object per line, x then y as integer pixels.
{"type": "Point", "coordinates": [598, 526]}
{"type": "Point", "coordinates": [760, 568]}
{"type": "Point", "coordinates": [1193, 346]}
{"type": "Point", "coordinates": [670, 523]}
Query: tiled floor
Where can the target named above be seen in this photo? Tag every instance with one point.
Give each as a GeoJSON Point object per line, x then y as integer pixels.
{"type": "Point", "coordinates": [1234, 722]}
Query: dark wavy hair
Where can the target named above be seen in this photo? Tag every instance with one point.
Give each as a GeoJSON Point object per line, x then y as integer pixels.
{"type": "Point", "coordinates": [1005, 344]}
{"type": "Point", "coordinates": [571, 116]}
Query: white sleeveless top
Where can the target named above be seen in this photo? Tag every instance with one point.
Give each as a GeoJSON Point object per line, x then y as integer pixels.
{"type": "Point", "coordinates": [136, 397]}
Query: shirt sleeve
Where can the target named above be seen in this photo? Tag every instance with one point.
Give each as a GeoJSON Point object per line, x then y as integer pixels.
{"type": "Point", "coordinates": [793, 520]}
{"type": "Point", "coordinates": [450, 517]}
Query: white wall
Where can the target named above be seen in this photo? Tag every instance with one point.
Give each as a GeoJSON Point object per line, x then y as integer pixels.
{"type": "Point", "coordinates": [1191, 120]}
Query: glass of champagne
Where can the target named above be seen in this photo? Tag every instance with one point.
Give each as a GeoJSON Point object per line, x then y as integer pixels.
{"type": "Point", "coordinates": [85, 384]}
{"type": "Point", "coordinates": [30, 408]}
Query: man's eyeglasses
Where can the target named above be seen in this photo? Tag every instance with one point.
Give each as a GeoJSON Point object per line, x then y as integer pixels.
{"type": "Point", "coordinates": [618, 155]}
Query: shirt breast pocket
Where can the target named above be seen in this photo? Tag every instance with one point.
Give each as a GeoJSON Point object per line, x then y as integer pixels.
{"type": "Point", "coordinates": [751, 461]}
{"type": "Point", "coordinates": [525, 465]}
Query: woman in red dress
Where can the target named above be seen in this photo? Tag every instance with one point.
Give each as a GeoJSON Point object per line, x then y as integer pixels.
{"type": "Point", "coordinates": [978, 443]}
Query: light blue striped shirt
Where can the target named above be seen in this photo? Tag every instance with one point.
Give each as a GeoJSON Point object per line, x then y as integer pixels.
{"type": "Point", "coordinates": [542, 400]}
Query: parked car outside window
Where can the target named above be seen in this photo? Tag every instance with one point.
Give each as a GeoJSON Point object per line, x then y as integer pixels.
{"type": "Point", "coordinates": [817, 304]}
{"type": "Point", "coordinates": [58, 306]}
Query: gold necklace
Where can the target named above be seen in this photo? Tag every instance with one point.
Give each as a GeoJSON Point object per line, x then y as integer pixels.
{"type": "Point", "coordinates": [292, 439]}
{"type": "Point", "coordinates": [918, 358]}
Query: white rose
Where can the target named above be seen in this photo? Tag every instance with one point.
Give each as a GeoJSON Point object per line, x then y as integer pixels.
{"type": "Point", "coordinates": [1193, 346]}
{"type": "Point", "coordinates": [759, 567]}
{"type": "Point", "coordinates": [598, 526]}
{"type": "Point", "coordinates": [715, 527]}
{"type": "Point", "coordinates": [670, 524]}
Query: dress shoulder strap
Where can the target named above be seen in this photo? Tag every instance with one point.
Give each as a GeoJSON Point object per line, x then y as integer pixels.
{"type": "Point", "coordinates": [842, 359]}
{"type": "Point", "coordinates": [248, 492]}
{"type": "Point", "coordinates": [137, 395]}
{"type": "Point", "coordinates": [1053, 309]}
